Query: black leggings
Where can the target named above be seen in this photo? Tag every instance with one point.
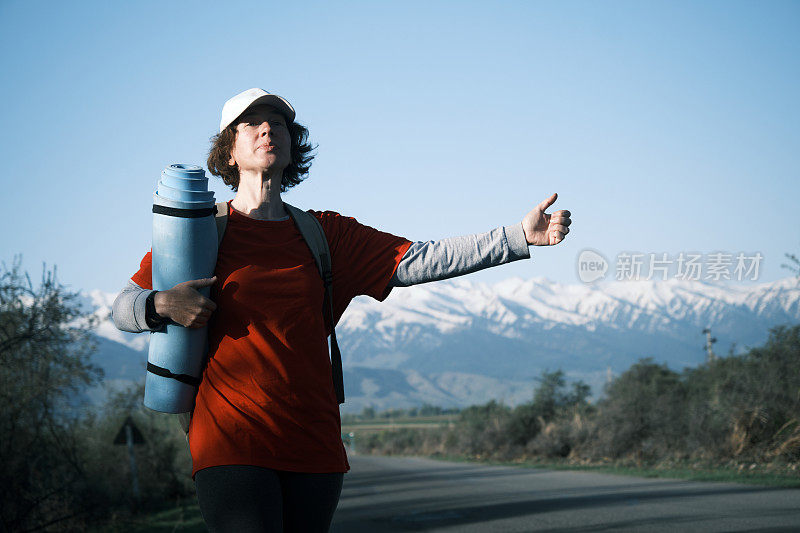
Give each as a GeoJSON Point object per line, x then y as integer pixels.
{"type": "Point", "coordinates": [241, 498]}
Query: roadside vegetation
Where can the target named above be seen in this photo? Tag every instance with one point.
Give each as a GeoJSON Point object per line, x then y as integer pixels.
{"type": "Point", "coordinates": [59, 467]}
{"type": "Point", "coordinates": [735, 418]}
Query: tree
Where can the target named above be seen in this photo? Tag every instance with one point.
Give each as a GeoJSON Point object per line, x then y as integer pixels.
{"type": "Point", "coordinates": [794, 264]}
{"type": "Point", "coordinates": [551, 400]}
{"type": "Point", "coordinates": [643, 413]}
{"type": "Point", "coordinates": [481, 428]}
{"type": "Point", "coordinates": [163, 461]}
{"type": "Point", "coordinates": [768, 414]}
{"type": "Point", "coordinates": [550, 395]}
{"type": "Point", "coordinates": [45, 344]}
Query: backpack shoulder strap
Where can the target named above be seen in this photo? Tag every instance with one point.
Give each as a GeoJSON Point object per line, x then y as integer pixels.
{"type": "Point", "coordinates": [221, 218]}
{"type": "Point", "coordinates": [315, 238]}
{"type": "Point", "coordinates": [314, 235]}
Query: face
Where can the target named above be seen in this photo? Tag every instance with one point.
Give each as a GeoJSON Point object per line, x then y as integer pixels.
{"type": "Point", "coordinates": [262, 141]}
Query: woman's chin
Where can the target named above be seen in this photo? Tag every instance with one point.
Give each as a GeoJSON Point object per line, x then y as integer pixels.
{"type": "Point", "coordinates": [262, 172]}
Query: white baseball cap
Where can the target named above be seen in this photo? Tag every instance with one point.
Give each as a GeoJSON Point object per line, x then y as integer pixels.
{"type": "Point", "coordinates": [245, 99]}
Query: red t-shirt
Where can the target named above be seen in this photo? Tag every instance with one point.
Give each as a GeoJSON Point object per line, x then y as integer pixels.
{"type": "Point", "coordinates": [267, 396]}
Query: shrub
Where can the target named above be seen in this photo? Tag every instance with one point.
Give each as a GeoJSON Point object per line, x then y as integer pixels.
{"type": "Point", "coordinates": [45, 344]}
{"type": "Point", "coordinates": [643, 413]}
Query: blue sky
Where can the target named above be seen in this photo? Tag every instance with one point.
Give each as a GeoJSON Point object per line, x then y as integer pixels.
{"type": "Point", "coordinates": [663, 126]}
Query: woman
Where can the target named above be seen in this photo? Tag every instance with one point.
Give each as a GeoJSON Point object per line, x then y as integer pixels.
{"type": "Point", "coordinates": [265, 435]}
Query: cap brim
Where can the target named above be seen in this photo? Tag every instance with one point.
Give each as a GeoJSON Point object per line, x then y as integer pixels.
{"type": "Point", "coordinates": [272, 100]}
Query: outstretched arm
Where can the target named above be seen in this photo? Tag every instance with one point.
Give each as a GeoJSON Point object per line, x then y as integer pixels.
{"type": "Point", "coordinates": [449, 258]}
{"type": "Point", "coordinates": [456, 256]}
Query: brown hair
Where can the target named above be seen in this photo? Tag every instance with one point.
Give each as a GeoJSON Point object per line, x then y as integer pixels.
{"type": "Point", "coordinates": [294, 173]}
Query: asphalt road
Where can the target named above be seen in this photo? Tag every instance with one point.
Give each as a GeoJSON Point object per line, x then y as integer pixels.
{"type": "Point", "coordinates": [385, 494]}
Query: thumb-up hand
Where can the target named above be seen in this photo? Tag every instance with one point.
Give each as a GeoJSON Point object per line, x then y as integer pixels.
{"type": "Point", "coordinates": [542, 229]}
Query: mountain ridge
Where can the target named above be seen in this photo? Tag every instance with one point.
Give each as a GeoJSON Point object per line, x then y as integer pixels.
{"type": "Point", "coordinates": [457, 342]}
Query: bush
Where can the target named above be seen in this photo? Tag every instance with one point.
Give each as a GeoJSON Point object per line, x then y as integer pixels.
{"type": "Point", "coordinates": [163, 462]}
{"type": "Point", "coordinates": [565, 437]}
{"type": "Point", "coordinates": [45, 344]}
{"type": "Point", "coordinates": [760, 394]}
{"type": "Point", "coordinates": [481, 429]}
{"type": "Point", "coordinates": [524, 424]}
{"type": "Point", "coordinates": [59, 468]}
{"type": "Point", "coordinates": [552, 401]}
{"type": "Point", "coordinates": [643, 413]}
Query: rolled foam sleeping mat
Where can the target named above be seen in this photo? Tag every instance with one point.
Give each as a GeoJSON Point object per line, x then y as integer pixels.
{"type": "Point", "coordinates": [184, 248]}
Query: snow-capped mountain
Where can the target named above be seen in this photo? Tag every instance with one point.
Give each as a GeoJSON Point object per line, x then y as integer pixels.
{"type": "Point", "coordinates": [460, 343]}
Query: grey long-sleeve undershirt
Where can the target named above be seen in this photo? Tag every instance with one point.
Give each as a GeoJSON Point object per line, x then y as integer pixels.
{"type": "Point", "coordinates": [423, 262]}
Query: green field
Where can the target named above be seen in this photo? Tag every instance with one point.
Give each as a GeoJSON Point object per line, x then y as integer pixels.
{"type": "Point", "coordinates": [388, 424]}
